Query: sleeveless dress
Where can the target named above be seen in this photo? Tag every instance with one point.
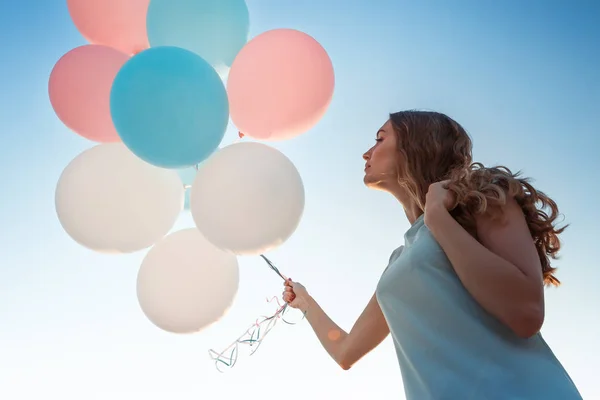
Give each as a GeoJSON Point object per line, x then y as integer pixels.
{"type": "Point", "coordinates": [448, 346]}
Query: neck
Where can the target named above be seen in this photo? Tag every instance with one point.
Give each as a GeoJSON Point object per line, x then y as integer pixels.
{"type": "Point", "coordinates": [411, 208]}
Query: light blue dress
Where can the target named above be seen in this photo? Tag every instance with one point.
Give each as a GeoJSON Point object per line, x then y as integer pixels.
{"type": "Point", "coordinates": [448, 346]}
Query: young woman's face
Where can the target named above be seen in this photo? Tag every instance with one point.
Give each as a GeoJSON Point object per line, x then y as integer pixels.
{"type": "Point", "coordinates": [381, 168]}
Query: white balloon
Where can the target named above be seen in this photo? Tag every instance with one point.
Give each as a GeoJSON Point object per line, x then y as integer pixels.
{"type": "Point", "coordinates": [247, 198]}
{"type": "Point", "coordinates": [109, 200]}
{"type": "Point", "coordinates": [186, 283]}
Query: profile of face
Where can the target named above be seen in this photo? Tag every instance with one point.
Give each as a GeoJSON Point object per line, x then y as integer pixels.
{"type": "Point", "coordinates": [382, 160]}
{"type": "Point", "coordinates": [414, 149]}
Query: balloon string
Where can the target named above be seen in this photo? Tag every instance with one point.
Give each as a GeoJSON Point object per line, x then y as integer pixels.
{"type": "Point", "coordinates": [273, 267]}
{"type": "Point", "coordinates": [254, 335]}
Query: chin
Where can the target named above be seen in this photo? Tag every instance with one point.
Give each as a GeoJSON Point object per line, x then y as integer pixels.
{"type": "Point", "coordinates": [375, 184]}
{"type": "Point", "coordinates": [372, 183]}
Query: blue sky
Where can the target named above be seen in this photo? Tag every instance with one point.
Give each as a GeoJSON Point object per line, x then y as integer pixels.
{"type": "Point", "coordinates": [522, 78]}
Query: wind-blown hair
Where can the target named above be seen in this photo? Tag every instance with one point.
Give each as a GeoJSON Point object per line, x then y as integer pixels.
{"type": "Point", "coordinates": [434, 148]}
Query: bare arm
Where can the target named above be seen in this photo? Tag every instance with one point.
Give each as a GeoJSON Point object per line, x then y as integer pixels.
{"type": "Point", "coordinates": [502, 272]}
{"type": "Point", "coordinates": [345, 348]}
{"type": "Point", "coordinates": [367, 333]}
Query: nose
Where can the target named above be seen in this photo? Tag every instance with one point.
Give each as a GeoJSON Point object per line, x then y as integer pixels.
{"type": "Point", "coordinates": [367, 155]}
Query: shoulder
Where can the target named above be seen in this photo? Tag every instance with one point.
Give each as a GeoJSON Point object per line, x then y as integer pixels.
{"type": "Point", "coordinates": [500, 219]}
{"type": "Point", "coordinates": [393, 257]}
{"type": "Point", "coordinates": [508, 235]}
{"type": "Point", "coordinates": [395, 254]}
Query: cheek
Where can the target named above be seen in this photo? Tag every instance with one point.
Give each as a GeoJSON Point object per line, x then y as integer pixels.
{"type": "Point", "coordinates": [385, 159]}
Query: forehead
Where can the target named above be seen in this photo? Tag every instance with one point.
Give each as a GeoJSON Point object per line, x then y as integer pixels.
{"type": "Point", "coordinates": [385, 128]}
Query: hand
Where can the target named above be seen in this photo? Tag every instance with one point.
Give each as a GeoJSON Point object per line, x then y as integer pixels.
{"type": "Point", "coordinates": [296, 295]}
{"type": "Point", "coordinates": [439, 198]}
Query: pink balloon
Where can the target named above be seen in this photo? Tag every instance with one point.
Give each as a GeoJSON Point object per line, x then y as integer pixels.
{"type": "Point", "coordinates": [116, 23]}
{"type": "Point", "coordinates": [280, 85]}
{"type": "Point", "coordinates": [79, 90]}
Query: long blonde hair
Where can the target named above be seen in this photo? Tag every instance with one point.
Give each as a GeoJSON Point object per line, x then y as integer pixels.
{"type": "Point", "coordinates": [434, 147]}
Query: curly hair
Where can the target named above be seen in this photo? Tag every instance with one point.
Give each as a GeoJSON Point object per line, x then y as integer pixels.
{"type": "Point", "coordinates": [434, 148]}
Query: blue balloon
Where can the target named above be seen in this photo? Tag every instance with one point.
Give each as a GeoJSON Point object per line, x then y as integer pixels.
{"type": "Point", "coordinates": [216, 30]}
{"type": "Point", "coordinates": [169, 107]}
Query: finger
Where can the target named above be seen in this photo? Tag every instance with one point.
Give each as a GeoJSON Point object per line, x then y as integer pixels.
{"type": "Point", "coordinates": [289, 289]}
{"type": "Point", "coordinates": [288, 297]}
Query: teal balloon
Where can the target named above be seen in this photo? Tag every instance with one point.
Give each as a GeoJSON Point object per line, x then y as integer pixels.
{"type": "Point", "coordinates": [216, 30]}
{"type": "Point", "coordinates": [170, 107]}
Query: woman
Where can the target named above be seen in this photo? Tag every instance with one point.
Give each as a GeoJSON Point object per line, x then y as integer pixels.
{"type": "Point", "coordinates": [463, 298]}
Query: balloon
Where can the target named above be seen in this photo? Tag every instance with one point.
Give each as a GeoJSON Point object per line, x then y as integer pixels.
{"type": "Point", "coordinates": [280, 85]}
{"type": "Point", "coordinates": [216, 30]}
{"type": "Point", "coordinates": [169, 107]}
{"type": "Point", "coordinates": [247, 198]}
{"type": "Point", "coordinates": [116, 23]}
{"type": "Point", "coordinates": [79, 89]}
{"type": "Point", "coordinates": [110, 201]}
{"type": "Point", "coordinates": [185, 283]}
